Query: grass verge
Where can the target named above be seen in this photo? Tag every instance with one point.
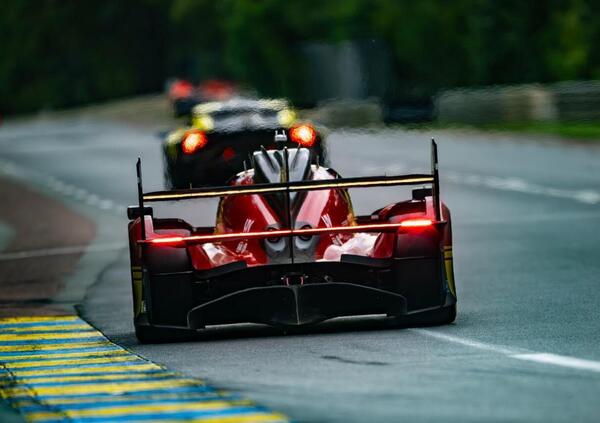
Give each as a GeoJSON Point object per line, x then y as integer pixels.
{"type": "Point", "coordinates": [584, 131]}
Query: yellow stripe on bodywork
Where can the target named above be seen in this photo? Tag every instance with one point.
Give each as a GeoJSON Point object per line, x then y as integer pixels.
{"type": "Point", "coordinates": [137, 297]}
{"type": "Point", "coordinates": [449, 266]}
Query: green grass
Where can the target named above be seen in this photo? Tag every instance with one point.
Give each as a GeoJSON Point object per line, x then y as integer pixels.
{"type": "Point", "coordinates": [579, 130]}
{"type": "Point", "coordinates": [569, 130]}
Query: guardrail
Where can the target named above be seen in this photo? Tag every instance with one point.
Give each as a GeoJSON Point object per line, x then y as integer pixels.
{"type": "Point", "coordinates": [564, 101]}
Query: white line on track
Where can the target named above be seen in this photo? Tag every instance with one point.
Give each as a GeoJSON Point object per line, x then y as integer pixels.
{"type": "Point", "coordinates": [60, 187]}
{"type": "Point", "coordinates": [514, 184]}
{"type": "Point", "coordinates": [59, 251]}
{"type": "Point", "coordinates": [560, 360]}
{"type": "Point", "coordinates": [519, 354]}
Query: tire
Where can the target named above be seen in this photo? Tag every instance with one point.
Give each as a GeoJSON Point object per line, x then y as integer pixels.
{"type": "Point", "coordinates": [153, 335]}
{"type": "Point", "coordinates": [164, 260]}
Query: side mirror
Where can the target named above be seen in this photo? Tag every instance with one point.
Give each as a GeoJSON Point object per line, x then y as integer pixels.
{"type": "Point", "coordinates": [419, 194]}
{"type": "Point", "coordinates": [133, 212]}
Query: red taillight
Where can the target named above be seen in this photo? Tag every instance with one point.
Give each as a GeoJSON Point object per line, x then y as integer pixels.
{"type": "Point", "coordinates": [193, 142]}
{"type": "Point", "coordinates": [305, 135]}
{"type": "Point", "coordinates": [416, 223]}
{"type": "Point", "coordinates": [181, 89]}
{"type": "Point", "coordinates": [167, 240]}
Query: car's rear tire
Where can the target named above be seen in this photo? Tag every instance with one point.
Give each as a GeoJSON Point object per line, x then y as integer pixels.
{"type": "Point", "coordinates": [153, 335]}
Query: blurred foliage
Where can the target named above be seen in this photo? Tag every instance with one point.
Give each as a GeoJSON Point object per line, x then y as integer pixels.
{"type": "Point", "coordinates": [60, 53]}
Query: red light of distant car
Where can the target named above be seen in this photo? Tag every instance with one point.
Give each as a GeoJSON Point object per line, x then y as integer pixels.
{"type": "Point", "coordinates": [305, 135]}
{"type": "Point", "coordinates": [193, 142]}
{"type": "Point", "coordinates": [181, 89]}
{"type": "Point", "coordinates": [416, 223]}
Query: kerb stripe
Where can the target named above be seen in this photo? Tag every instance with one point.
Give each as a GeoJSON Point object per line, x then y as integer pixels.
{"type": "Point", "coordinates": [58, 369]}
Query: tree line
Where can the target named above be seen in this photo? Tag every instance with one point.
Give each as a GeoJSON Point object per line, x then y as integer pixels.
{"type": "Point", "coordinates": [62, 53]}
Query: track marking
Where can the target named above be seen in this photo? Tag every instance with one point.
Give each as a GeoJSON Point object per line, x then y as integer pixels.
{"type": "Point", "coordinates": [51, 372]}
{"type": "Point", "coordinates": [46, 336]}
{"type": "Point", "coordinates": [72, 355]}
{"type": "Point", "coordinates": [34, 321]}
{"type": "Point", "coordinates": [60, 251]}
{"type": "Point", "coordinates": [560, 360]}
{"type": "Point", "coordinates": [516, 353]}
{"type": "Point", "coordinates": [587, 196]}
{"type": "Point", "coordinates": [51, 347]}
{"type": "Point", "coordinates": [512, 183]}
{"type": "Point", "coordinates": [144, 409]}
{"type": "Point", "coordinates": [99, 369]}
{"type": "Point", "coordinates": [71, 361]}
{"type": "Point", "coordinates": [60, 187]}
{"type": "Point", "coordinates": [55, 328]}
{"type": "Point", "coordinates": [93, 378]}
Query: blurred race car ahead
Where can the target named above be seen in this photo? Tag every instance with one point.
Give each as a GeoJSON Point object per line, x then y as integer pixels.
{"type": "Point", "coordinates": [223, 135]}
{"type": "Point", "coordinates": [184, 95]}
{"type": "Point", "coordinates": [288, 250]}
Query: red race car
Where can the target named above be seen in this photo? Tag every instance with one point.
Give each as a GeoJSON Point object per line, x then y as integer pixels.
{"type": "Point", "coordinates": [288, 250]}
{"type": "Point", "coordinates": [184, 95]}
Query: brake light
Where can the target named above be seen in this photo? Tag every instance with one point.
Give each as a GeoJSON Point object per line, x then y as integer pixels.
{"type": "Point", "coordinates": [167, 240]}
{"type": "Point", "coordinates": [275, 234]}
{"type": "Point", "coordinates": [181, 89]}
{"type": "Point", "coordinates": [416, 223]}
{"type": "Point", "coordinates": [193, 142]}
{"type": "Point", "coordinates": [305, 135]}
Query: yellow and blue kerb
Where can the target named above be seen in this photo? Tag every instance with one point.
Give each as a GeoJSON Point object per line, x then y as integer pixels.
{"type": "Point", "coordinates": [56, 369]}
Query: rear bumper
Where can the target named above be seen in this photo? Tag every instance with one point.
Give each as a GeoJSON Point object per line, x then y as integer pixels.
{"type": "Point", "coordinates": [296, 305]}
{"type": "Point", "coordinates": [238, 294]}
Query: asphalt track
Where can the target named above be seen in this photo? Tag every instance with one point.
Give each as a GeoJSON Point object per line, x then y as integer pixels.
{"type": "Point", "coordinates": [525, 346]}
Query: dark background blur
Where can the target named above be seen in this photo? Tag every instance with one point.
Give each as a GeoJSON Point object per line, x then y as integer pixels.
{"type": "Point", "coordinates": [63, 53]}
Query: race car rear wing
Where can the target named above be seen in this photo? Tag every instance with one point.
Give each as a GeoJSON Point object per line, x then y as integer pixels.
{"type": "Point", "coordinates": [288, 187]}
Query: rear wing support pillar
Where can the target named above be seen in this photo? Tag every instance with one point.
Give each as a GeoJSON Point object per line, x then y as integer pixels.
{"type": "Point", "coordinates": [436, 181]}
{"type": "Point", "coordinates": [138, 170]}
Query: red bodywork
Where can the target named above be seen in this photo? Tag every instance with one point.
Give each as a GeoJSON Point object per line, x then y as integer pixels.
{"type": "Point", "coordinates": [322, 209]}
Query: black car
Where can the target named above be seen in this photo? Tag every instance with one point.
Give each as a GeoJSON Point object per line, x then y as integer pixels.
{"type": "Point", "coordinates": [221, 136]}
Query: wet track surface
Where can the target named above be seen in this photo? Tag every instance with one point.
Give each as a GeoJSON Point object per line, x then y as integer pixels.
{"type": "Point", "coordinates": [526, 216]}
